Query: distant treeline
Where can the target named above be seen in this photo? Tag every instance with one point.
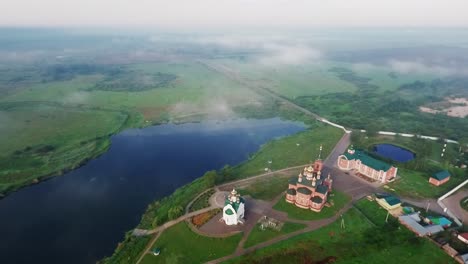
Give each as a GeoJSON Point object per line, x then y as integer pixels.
{"type": "Point", "coordinates": [373, 109]}
{"type": "Point", "coordinates": [64, 72]}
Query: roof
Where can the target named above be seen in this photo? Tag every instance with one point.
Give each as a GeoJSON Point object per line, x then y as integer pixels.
{"type": "Point", "coordinates": [408, 210]}
{"type": "Point", "coordinates": [413, 225]}
{"type": "Point", "coordinates": [464, 257]}
{"type": "Point", "coordinates": [392, 200]}
{"type": "Point", "coordinates": [291, 191]}
{"type": "Point", "coordinates": [418, 228]}
{"type": "Point", "coordinates": [316, 199]}
{"type": "Point", "coordinates": [433, 229]}
{"type": "Point", "coordinates": [323, 189]}
{"type": "Point", "coordinates": [464, 235]}
{"type": "Point", "coordinates": [440, 221]}
{"type": "Point", "coordinates": [368, 160]}
{"type": "Point", "coordinates": [304, 190]}
{"type": "Point", "coordinates": [305, 181]}
{"type": "Point", "coordinates": [229, 212]}
{"type": "Point", "coordinates": [234, 204]}
{"type": "Point", "coordinates": [441, 175]}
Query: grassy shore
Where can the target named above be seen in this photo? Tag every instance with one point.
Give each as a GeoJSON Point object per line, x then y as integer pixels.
{"type": "Point", "coordinates": [179, 244]}
{"type": "Point", "coordinates": [158, 212]}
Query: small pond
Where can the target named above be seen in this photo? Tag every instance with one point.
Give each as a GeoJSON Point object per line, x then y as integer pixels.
{"type": "Point", "coordinates": [393, 152]}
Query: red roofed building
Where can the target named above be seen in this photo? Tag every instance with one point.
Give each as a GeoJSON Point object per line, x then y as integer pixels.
{"type": "Point", "coordinates": [463, 237]}
{"type": "Point", "coordinates": [310, 189]}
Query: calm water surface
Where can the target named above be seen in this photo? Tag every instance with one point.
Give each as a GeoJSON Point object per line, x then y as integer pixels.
{"type": "Point", "coordinates": [81, 216]}
{"type": "Point", "coordinates": [394, 152]}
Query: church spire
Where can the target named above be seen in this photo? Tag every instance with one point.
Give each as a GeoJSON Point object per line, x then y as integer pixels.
{"type": "Point", "coordinates": [320, 152]}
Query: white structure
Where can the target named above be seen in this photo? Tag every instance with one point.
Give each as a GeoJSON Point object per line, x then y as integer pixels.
{"type": "Point", "coordinates": [234, 208]}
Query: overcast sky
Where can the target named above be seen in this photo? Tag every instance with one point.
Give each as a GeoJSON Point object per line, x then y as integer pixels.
{"type": "Point", "coordinates": [244, 13]}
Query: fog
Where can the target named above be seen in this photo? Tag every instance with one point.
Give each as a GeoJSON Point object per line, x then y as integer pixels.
{"type": "Point", "coordinates": [203, 14]}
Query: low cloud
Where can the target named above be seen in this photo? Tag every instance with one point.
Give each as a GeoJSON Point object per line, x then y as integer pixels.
{"type": "Point", "coordinates": [76, 98]}
{"type": "Point", "coordinates": [216, 107]}
{"type": "Point", "coordinates": [288, 55]}
{"type": "Point", "coordinates": [271, 50]}
{"type": "Point", "coordinates": [406, 67]}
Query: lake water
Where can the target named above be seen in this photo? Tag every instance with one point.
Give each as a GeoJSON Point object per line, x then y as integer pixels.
{"type": "Point", "coordinates": [81, 216]}
{"type": "Point", "coordinates": [394, 152]}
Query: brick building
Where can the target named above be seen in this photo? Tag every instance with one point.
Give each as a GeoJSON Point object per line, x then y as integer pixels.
{"type": "Point", "coordinates": [366, 165]}
{"type": "Point", "coordinates": [439, 178]}
{"type": "Point", "coordinates": [310, 189]}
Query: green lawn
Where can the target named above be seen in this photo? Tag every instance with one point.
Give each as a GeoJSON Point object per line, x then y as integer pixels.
{"type": "Point", "coordinates": [359, 242]}
{"type": "Point", "coordinates": [40, 139]}
{"type": "Point", "coordinates": [179, 244]}
{"type": "Point", "coordinates": [294, 150]}
{"type": "Point", "coordinates": [266, 189]}
{"type": "Point", "coordinates": [202, 201]}
{"type": "Point", "coordinates": [338, 198]}
{"type": "Point", "coordinates": [258, 236]}
{"type": "Point", "coordinates": [416, 184]}
{"type": "Point", "coordinates": [373, 211]}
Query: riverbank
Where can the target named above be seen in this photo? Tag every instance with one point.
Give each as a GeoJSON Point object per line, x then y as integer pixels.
{"type": "Point", "coordinates": [297, 149]}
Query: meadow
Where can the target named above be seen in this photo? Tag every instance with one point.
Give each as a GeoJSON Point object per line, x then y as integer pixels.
{"type": "Point", "coordinates": [257, 235]}
{"type": "Point", "coordinates": [57, 118]}
{"type": "Point", "coordinates": [179, 244]}
{"type": "Point", "coordinates": [360, 241]}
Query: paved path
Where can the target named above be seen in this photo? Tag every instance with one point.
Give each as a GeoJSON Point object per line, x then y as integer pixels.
{"type": "Point", "coordinates": [453, 204]}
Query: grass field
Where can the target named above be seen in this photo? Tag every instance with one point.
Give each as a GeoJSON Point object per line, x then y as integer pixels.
{"type": "Point", "coordinates": [56, 123]}
{"type": "Point", "coordinates": [416, 184]}
{"type": "Point", "coordinates": [40, 139]}
{"type": "Point", "coordinates": [373, 212]}
{"type": "Point", "coordinates": [179, 244]}
{"type": "Point", "coordinates": [294, 150]}
{"type": "Point", "coordinates": [266, 189]}
{"type": "Point", "coordinates": [202, 201]}
{"type": "Point", "coordinates": [360, 242]}
{"type": "Point", "coordinates": [338, 199]}
{"type": "Point", "coordinates": [258, 236]}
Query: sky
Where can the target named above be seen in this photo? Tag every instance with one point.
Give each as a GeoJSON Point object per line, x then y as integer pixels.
{"type": "Point", "coordinates": [186, 14]}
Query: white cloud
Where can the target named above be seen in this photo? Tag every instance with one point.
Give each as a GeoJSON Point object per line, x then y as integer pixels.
{"type": "Point", "coordinates": [76, 98]}
{"type": "Point", "coordinates": [231, 13]}
{"type": "Point", "coordinates": [272, 50]}
{"type": "Point", "coordinates": [277, 55]}
{"type": "Point", "coordinates": [406, 67]}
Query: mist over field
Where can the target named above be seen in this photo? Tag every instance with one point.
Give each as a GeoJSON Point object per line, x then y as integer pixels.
{"type": "Point", "coordinates": [144, 112]}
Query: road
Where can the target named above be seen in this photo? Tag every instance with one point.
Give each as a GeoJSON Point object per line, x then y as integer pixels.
{"type": "Point", "coordinates": [233, 75]}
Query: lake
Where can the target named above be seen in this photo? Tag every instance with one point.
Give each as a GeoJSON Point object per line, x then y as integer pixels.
{"type": "Point", "coordinates": [394, 152]}
{"type": "Point", "coordinates": [81, 216]}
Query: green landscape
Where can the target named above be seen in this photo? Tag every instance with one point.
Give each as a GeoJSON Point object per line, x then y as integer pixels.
{"type": "Point", "coordinates": [66, 96]}
{"type": "Point", "coordinates": [180, 244]}
{"type": "Point", "coordinates": [362, 240]}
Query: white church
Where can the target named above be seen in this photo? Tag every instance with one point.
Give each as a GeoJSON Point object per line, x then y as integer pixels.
{"type": "Point", "coordinates": [234, 208]}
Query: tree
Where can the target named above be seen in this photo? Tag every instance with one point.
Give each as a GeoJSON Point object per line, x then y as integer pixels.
{"type": "Point", "coordinates": [210, 178]}
{"type": "Point", "coordinates": [175, 212]}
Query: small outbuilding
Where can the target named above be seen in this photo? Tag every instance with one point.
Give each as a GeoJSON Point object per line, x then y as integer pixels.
{"type": "Point", "coordinates": [463, 237]}
{"type": "Point", "coordinates": [388, 202]}
{"type": "Point", "coordinates": [442, 221]}
{"type": "Point", "coordinates": [440, 178]}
